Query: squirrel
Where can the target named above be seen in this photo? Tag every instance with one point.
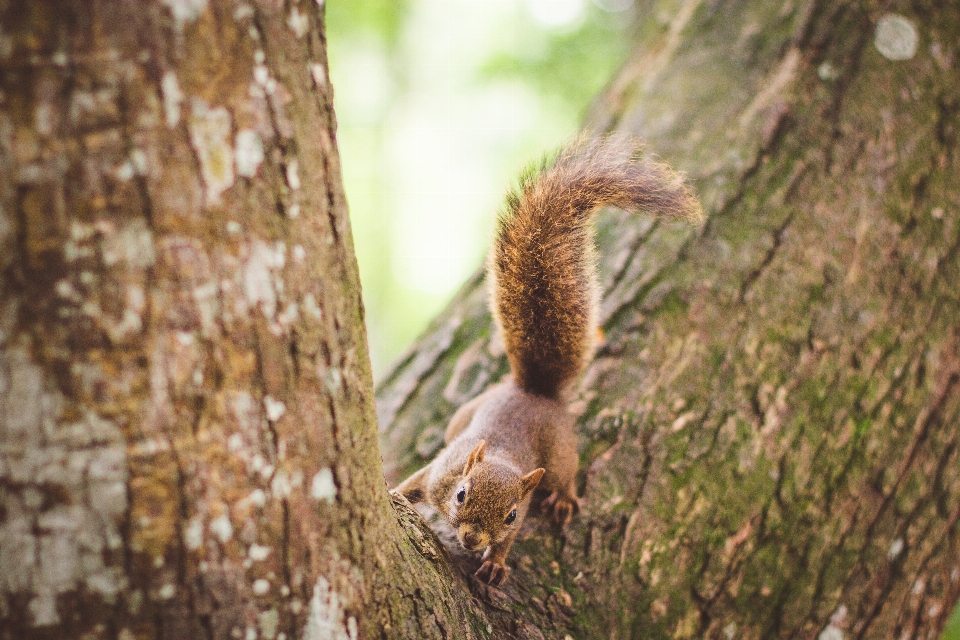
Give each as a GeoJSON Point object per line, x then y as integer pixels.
{"type": "Point", "coordinates": [519, 435]}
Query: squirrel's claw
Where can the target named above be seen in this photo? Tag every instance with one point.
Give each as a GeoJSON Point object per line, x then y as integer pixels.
{"type": "Point", "coordinates": [564, 507]}
{"type": "Point", "coordinates": [493, 573]}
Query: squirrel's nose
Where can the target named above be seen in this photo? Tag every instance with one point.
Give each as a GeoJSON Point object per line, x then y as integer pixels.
{"type": "Point", "coordinates": [470, 541]}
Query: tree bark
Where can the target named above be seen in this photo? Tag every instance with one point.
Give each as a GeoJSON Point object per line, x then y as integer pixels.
{"type": "Point", "coordinates": [186, 411]}
{"type": "Point", "coordinates": [768, 433]}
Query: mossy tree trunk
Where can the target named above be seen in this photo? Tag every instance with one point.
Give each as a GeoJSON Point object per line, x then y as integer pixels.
{"type": "Point", "coordinates": [769, 432]}
{"type": "Point", "coordinates": [769, 437]}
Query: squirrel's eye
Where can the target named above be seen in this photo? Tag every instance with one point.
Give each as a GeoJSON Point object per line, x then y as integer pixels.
{"type": "Point", "coordinates": [511, 517]}
{"type": "Point", "coordinates": [461, 494]}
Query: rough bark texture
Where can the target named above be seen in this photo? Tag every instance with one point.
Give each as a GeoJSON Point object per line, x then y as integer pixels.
{"type": "Point", "coordinates": [768, 434]}
{"type": "Point", "coordinates": [187, 439]}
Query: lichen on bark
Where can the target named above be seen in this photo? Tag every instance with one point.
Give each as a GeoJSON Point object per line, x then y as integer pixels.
{"type": "Point", "coordinates": [186, 413]}
{"type": "Point", "coordinates": [768, 443]}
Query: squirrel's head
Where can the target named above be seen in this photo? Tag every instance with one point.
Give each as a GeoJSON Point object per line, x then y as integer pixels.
{"type": "Point", "coordinates": [484, 503]}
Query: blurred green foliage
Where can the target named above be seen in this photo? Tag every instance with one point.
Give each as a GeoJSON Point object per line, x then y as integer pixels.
{"type": "Point", "coordinates": [348, 19]}
{"type": "Point", "coordinates": [439, 103]}
{"type": "Point", "coordinates": [570, 68]}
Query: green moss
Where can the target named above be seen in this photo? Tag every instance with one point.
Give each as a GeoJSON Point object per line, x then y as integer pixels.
{"type": "Point", "coordinates": [952, 632]}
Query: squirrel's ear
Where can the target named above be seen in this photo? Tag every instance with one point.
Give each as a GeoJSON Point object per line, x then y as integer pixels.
{"type": "Point", "coordinates": [475, 456]}
{"type": "Point", "coordinates": [530, 481]}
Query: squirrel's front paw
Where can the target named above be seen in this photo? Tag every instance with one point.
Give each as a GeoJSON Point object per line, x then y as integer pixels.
{"type": "Point", "coordinates": [493, 573]}
{"type": "Point", "coordinates": [564, 507]}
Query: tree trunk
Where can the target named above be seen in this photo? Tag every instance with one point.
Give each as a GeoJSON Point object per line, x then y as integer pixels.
{"type": "Point", "coordinates": [768, 433]}
{"type": "Point", "coordinates": [186, 410]}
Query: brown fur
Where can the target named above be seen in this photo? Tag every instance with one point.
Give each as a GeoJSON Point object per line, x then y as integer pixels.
{"type": "Point", "coordinates": [519, 435]}
{"type": "Point", "coordinates": [543, 276]}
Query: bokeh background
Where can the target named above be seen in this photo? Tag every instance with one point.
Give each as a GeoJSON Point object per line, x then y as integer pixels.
{"type": "Point", "coordinates": [439, 104]}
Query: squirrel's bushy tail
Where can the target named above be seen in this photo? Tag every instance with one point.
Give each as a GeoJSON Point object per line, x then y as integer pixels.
{"type": "Point", "coordinates": [542, 267]}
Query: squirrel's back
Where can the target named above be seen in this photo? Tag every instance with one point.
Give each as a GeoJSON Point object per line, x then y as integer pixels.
{"type": "Point", "coordinates": [542, 267]}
